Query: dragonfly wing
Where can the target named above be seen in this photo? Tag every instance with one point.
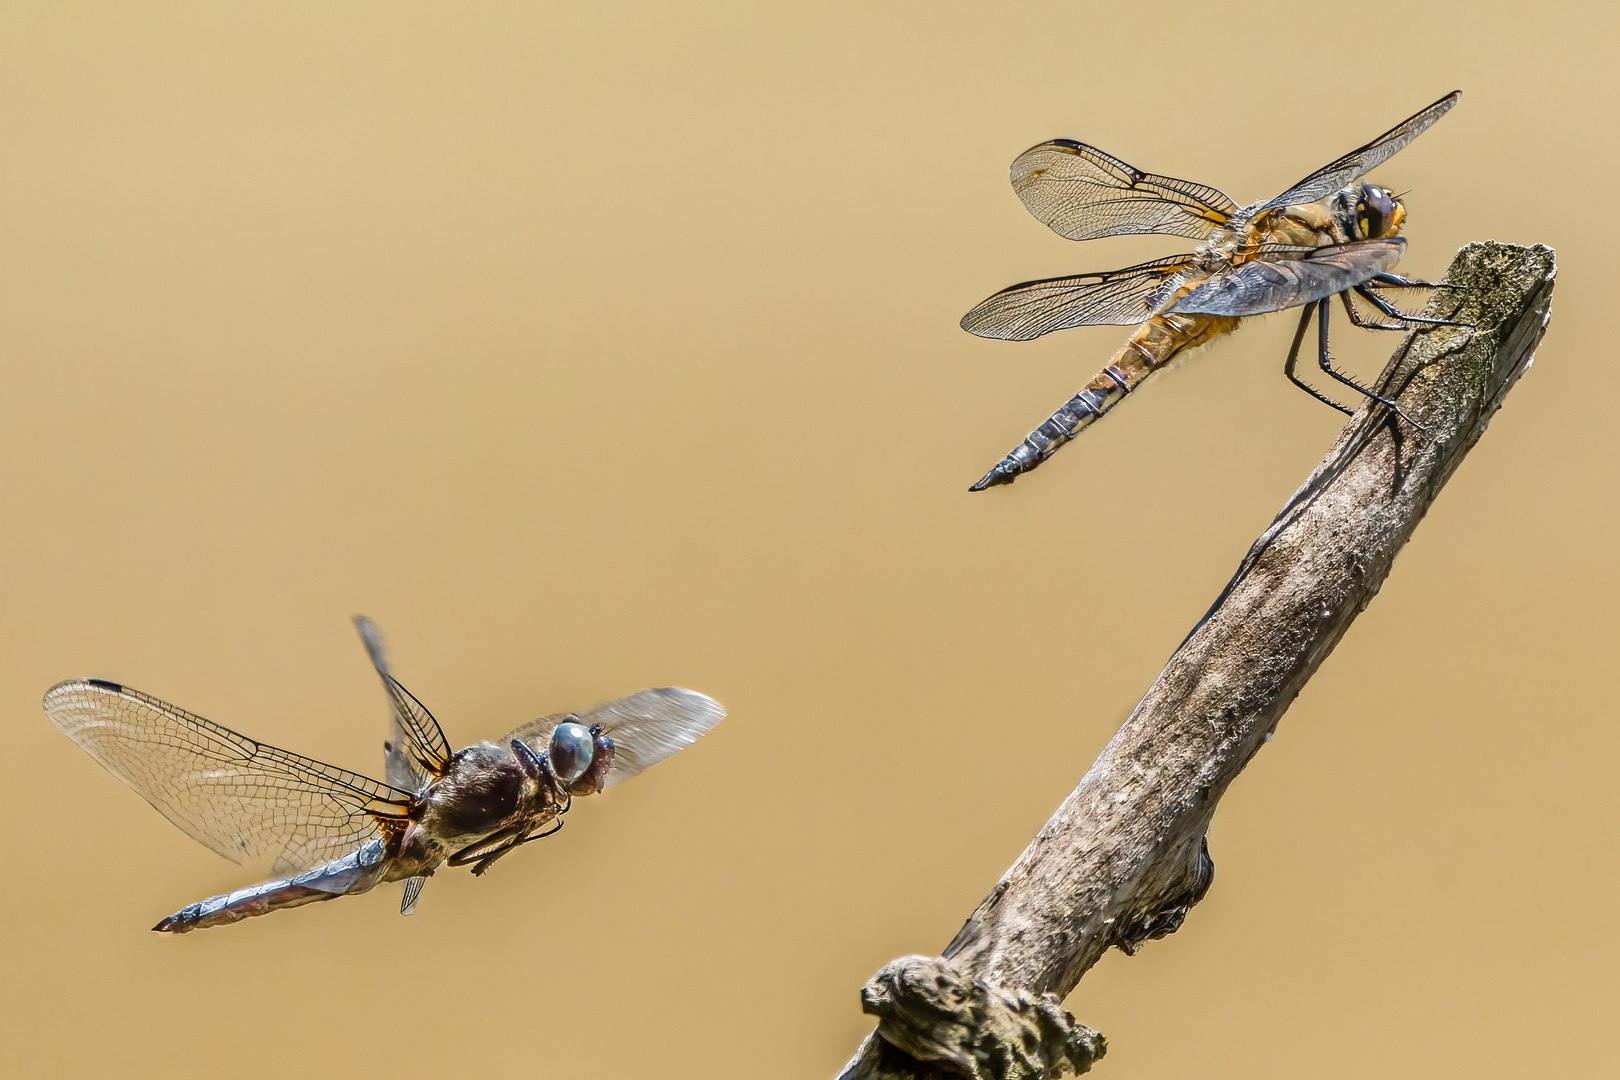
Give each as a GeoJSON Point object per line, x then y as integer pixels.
{"type": "Point", "coordinates": [235, 796]}
{"type": "Point", "coordinates": [1357, 163]}
{"type": "Point", "coordinates": [1273, 285]}
{"type": "Point", "coordinates": [646, 727]}
{"type": "Point", "coordinates": [1083, 193]}
{"type": "Point", "coordinates": [399, 767]}
{"type": "Point", "coordinates": [1117, 298]}
{"type": "Point", "coordinates": [416, 748]}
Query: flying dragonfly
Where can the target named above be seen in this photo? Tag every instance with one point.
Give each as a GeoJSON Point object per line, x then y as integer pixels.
{"type": "Point", "coordinates": [335, 833]}
{"type": "Point", "coordinates": [1326, 236]}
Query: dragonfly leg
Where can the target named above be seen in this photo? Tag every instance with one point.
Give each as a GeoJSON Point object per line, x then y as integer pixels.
{"type": "Point", "coordinates": [476, 852]}
{"type": "Point", "coordinates": [553, 831]}
{"type": "Point", "coordinates": [1396, 281]}
{"type": "Point", "coordinates": [1293, 358]}
{"type": "Point", "coordinates": [1390, 309]}
{"type": "Point", "coordinates": [1356, 318]}
{"type": "Point", "coordinates": [1325, 361]}
{"type": "Point", "coordinates": [489, 860]}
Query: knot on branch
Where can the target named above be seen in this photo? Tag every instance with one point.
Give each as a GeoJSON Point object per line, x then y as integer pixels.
{"type": "Point", "coordinates": [932, 1012]}
{"type": "Point", "coordinates": [1157, 913]}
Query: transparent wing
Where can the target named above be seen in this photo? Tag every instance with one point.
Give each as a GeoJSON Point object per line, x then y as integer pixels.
{"type": "Point", "coordinates": [646, 727]}
{"type": "Point", "coordinates": [1083, 193]}
{"type": "Point", "coordinates": [416, 748]}
{"type": "Point", "coordinates": [1357, 163]}
{"type": "Point", "coordinates": [1273, 285]}
{"type": "Point", "coordinates": [413, 893]}
{"type": "Point", "coordinates": [233, 795]}
{"type": "Point", "coordinates": [1117, 298]}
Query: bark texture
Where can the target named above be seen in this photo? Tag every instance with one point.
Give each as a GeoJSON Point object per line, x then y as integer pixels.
{"type": "Point", "coordinates": [1125, 857]}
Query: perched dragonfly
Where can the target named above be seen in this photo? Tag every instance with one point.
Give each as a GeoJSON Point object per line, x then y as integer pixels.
{"type": "Point", "coordinates": [1326, 236]}
{"type": "Point", "coordinates": [335, 833]}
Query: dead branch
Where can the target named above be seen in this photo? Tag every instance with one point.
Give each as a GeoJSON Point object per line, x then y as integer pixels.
{"type": "Point", "coordinates": [1125, 857]}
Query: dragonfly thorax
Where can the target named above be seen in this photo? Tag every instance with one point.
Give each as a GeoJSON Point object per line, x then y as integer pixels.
{"type": "Point", "coordinates": [483, 788]}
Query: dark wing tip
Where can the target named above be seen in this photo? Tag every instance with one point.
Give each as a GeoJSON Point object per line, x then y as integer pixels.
{"type": "Point", "coordinates": [70, 686]}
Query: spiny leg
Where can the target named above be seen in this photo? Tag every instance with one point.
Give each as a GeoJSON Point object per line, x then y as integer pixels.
{"type": "Point", "coordinates": [480, 849]}
{"type": "Point", "coordinates": [1325, 361]}
{"type": "Point", "coordinates": [1396, 281]}
{"type": "Point", "coordinates": [1391, 310]}
{"type": "Point", "coordinates": [1293, 357]}
{"type": "Point", "coordinates": [1356, 318]}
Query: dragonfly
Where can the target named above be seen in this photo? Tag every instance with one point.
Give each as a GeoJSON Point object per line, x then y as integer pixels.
{"type": "Point", "coordinates": [1326, 236]}
{"type": "Point", "coordinates": [331, 832]}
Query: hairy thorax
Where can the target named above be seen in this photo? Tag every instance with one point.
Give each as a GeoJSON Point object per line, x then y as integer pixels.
{"type": "Point", "coordinates": [484, 789]}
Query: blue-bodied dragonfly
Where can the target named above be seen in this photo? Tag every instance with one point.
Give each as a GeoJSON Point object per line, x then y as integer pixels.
{"type": "Point", "coordinates": [331, 832]}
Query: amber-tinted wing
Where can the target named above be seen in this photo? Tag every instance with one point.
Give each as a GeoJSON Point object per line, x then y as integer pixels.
{"type": "Point", "coordinates": [416, 748]}
{"type": "Point", "coordinates": [233, 795]}
{"type": "Point", "coordinates": [1357, 163]}
{"type": "Point", "coordinates": [1083, 193]}
{"type": "Point", "coordinates": [1116, 298]}
{"type": "Point", "coordinates": [646, 727]}
{"type": "Point", "coordinates": [1272, 285]}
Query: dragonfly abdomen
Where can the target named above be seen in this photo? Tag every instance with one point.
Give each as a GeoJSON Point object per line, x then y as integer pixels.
{"type": "Point", "coordinates": [356, 872]}
{"type": "Point", "coordinates": [1153, 346]}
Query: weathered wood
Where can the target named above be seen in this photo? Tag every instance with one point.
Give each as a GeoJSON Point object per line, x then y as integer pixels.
{"type": "Point", "coordinates": [1125, 856]}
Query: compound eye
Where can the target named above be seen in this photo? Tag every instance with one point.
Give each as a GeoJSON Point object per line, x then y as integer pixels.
{"type": "Point", "coordinates": [1375, 212]}
{"type": "Point", "coordinates": [571, 750]}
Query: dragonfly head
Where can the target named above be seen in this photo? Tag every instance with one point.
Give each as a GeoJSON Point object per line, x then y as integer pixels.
{"type": "Point", "coordinates": [581, 757]}
{"type": "Point", "coordinates": [1374, 214]}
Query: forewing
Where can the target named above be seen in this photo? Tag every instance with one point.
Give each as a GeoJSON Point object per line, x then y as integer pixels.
{"type": "Point", "coordinates": [233, 795]}
{"type": "Point", "coordinates": [1116, 298]}
{"type": "Point", "coordinates": [416, 748]}
{"type": "Point", "coordinates": [1083, 193]}
{"type": "Point", "coordinates": [646, 727]}
{"type": "Point", "coordinates": [1273, 285]}
{"type": "Point", "coordinates": [1357, 163]}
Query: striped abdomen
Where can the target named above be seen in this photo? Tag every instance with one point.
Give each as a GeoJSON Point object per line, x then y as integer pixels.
{"type": "Point", "coordinates": [1155, 343]}
{"type": "Point", "coordinates": [354, 873]}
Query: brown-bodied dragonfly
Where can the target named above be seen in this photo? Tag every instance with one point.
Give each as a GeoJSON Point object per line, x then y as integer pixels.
{"type": "Point", "coordinates": [335, 833]}
{"type": "Point", "coordinates": [1326, 236]}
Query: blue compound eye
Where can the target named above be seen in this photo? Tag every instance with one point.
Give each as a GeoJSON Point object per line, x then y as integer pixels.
{"type": "Point", "coordinates": [571, 750]}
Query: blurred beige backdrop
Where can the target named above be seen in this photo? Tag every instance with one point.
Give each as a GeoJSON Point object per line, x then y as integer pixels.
{"type": "Point", "coordinates": [595, 347]}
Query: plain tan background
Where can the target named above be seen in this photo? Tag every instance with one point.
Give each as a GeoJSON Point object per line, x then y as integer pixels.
{"type": "Point", "coordinates": [589, 348]}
